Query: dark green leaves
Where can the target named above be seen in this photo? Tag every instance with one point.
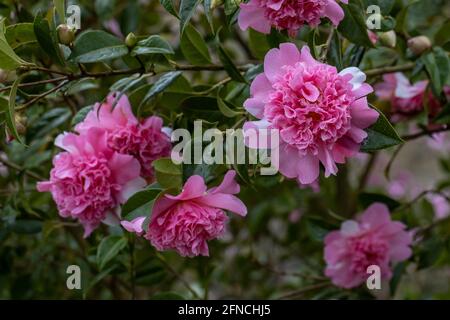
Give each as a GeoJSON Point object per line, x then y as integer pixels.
{"type": "Point", "coordinates": [140, 204]}
{"type": "Point", "coordinates": [47, 38]}
{"type": "Point", "coordinates": [108, 249]}
{"type": "Point", "coordinates": [227, 62]}
{"type": "Point", "coordinates": [20, 34]}
{"type": "Point", "coordinates": [168, 5]}
{"type": "Point", "coordinates": [353, 26]}
{"type": "Point", "coordinates": [437, 64]}
{"type": "Point", "coordinates": [8, 58]}
{"type": "Point", "coordinates": [381, 135]}
{"type": "Point", "coordinates": [153, 44]}
{"type": "Point", "coordinates": [162, 83]}
{"type": "Point", "coordinates": [194, 47]}
{"type": "Point", "coordinates": [10, 118]}
{"type": "Point", "coordinates": [96, 46]}
{"type": "Point", "coordinates": [81, 114]}
{"type": "Point", "coordinates": [168, 174]}
{"type": "Point", "coordinates": [187, 9]}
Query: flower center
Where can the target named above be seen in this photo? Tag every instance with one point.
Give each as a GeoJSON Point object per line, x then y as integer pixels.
{"type": "Point", "coordinates": [367, 251]}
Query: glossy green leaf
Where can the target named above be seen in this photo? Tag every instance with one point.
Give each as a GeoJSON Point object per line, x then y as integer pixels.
{"type": "Point", "coordinates": [47, 38]}
{"type": "Point", "coordinates": [353, 26]}
{"type": "Point", "coordinates": [194, 47]}
{"type": "Point", "coordinates": [140, 203]}
{"type": "Point", "coordinates": [168, 5]}
{"type": "Point", "coordinates": [161, 84]}
{"type": "Point", "coordinates": [153, 44]}
{"type": "Point", "coordinates": [20, 34]}
{"type": "Point", "coordinates": [109, 248]}
{"type": "Point", "coordinates": [168, 174]}
{"type": "Point", "coordinates": [10, 118]}
{"type": "Point", "coordinates": [187, 10]}
{"type": "Point", "coordinates": [95, 46]}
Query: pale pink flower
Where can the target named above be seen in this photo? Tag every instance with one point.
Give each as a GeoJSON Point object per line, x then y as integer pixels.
{"type": "Point", "coordinates": [289, 15]}
{"type": "Point", "coordinates": [373, 37]}
{"type": "Point", "coordinates": [145, 140]}
{"type": "Point", "coordinates": [373, 239]}
{"type": "Point", "coordinates": [405, 98]}
{"type": "Point", "coordinates": [89, 180]}
{"type": "Point", "coordinates": [186, 222]}
{"type": "Point", "coordinates": [320, 113]}
{"type": "Point", "coordinates": [134, 225]}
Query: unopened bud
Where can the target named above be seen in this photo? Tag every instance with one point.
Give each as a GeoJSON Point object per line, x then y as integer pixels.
{"type": "Point", "coordinates": [131, 40]}
{"type": "Point", "coordinates": [20, 124]}
{"type": "Point", "coordinates": [66, 35]}
{"type": "Point", "coordinates": [3, 76]}
{"type": "Point", "coordinates": [389, 39]}
{"type": "Point", "coordinates": [216, 3]}
{"type": "Point", "coordinates": [419, 45]}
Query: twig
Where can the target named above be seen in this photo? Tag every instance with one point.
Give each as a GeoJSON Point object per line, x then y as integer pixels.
{"type": "Point", "coordinates": [16, 167]}
{"type": "Point", "coordinates": [35, 83]}
{"type": "Point", "coordinates": [326, 47]}
{"type": "Point", "coordinates": [383, 70]}
{"type": "Point", "coordinates": [41, 96]}
{"type": "Point", "coordinates": [387, 170]}
{"type": "Point", "coordinates": [425, 133]}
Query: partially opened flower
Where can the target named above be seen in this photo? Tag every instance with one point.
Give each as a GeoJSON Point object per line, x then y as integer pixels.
{"type": "Point", "coordinates": [144, 140]}
{"type": "Point", "coordinates": [289, 15]}
{"type": "Point", "coordinates": [405, 98]}
{"type": "Point", "coordinates": [89, 180]}
{"type": "Point", "coordinates": [371, 239]}
{"type": "Point", "coordinates": [320, 113]}
{"type": "Point", "coordinates": [187, 222]}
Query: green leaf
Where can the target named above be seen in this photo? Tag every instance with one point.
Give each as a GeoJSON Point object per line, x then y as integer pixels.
{"type": "Point", "coordinates": [10, 118]}
{"type": "Point", "coordinates": [109, 248]}
{"type": "Point", "coordinates": [153, 44]}
{"type": "Point", "coordinates": [381, 135]}
{"type": "Point", "coordinates": [225, 108]}
{"type": "Point", "coordinates": [161, 84]}
{"type": "Point", "coordinates": [353, 26]}
{"type": "Point", "coordinates": [60, 6]}
{"type": "Point", "coordinates": [47, 38]}
{"type": "Point", "coordinates": [231, 6]}
{"type": "Point", "coordinates": [385, 5]}
{"type": "Point", "coordinates": [98, 277]}
{"type": "Point", "coordinates": [366, 199]}
{"type": "Point", "coordinates": [437, 64]}
{"type": "Point", "coordinates": [194, 47]}
{"type": "Point", "coordinates": [81, 115]}
{"type": "Point", "coordinates": [258, 44]}
{"type": "Point", "coordinates": [168, 5]}
{"type": "Point", "coordinates": [20, 34]}
{"type": "Point", "coordinates": [8, 58]}
{"type": "Point", "coordinates": [26, 226]}
{"type": "Point", "coordinates": [187, 9]}
{"type": "Point", "coordinates": [230, 68]}
{"type": "Point", "coordinates": [208, 13]}
{"type": "Point", "coordinates": [168, 174]}
{"type": "Point", "coordinates": [140, 203]}
{"type": "Point", "coordinates": [95, 46]}
{"type": "Point", "coordinates": [335, 57]}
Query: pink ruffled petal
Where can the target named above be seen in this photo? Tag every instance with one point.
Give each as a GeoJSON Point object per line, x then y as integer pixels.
{"type": "Point", "coordinates": [275, 59]}
{"type": "Point", "coordinates": [224, 201]}
{"type": "Point", "coordinates": [334, 12]}
{"type": "Point", "coordinates": [253, 16]}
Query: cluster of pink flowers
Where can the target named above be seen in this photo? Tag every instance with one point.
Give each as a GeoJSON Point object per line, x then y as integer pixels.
{"type": "Point", "coordinates": [186, 222]}
{"type": "Point", "coordinates": [373, 239]}
{"type": "Point", "coordinates": [104, 164]}
{"type": "Point", "coordinates": [407, 99]}
{"type": "Point", "coordinates": [319, 112]}
{"type": "Point", "coordinates": [289, 15]}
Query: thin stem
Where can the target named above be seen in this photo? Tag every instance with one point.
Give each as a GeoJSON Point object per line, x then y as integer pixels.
{"type": "Point", "coordinates": [326, 47]}
{"type": "Point", "coordinates": [35, 83]}
{"type": "Point", "coordinates": [16, 167]}
{"type": "Point", "coordinates": [425, 133]}
{"type": "Point", "coordinates": [380, 71]}
{"type": "Point", "coordinates": [41, 96]}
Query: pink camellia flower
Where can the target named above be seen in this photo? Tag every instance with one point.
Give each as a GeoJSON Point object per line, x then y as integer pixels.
{"type": "Point", "coordinates": [134, 226]}
{"type": "Point", "coordinates": [320, 113]}
{"type": "Point", "coordinates": [146, 140]}
{"type": "Point", "coordinates": [187, 221]}
{"type": "Point", "coordinates": [288, 15]}
{"type": "Point", "coordinates": [373, 239]}
{"type": "Point", "coordinates": [89, 180]}
{"type": "Point", "coordinates": [405, 98]}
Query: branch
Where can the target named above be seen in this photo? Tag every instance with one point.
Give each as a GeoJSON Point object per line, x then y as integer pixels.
{"type": "Point", "coordinates": [305, 290]}
{"type": "Point", "coordinates": [425, 133]}
{"type": "Point", "coordinates": [383, 70]}
{"type": "Point", "coordinates": [326, 47]}
{"type": "Point", "coordinates": [16, 167]}
{"type": "Point", "coordinates": [35, 83]}
{"type": "Point", "coordinates": [41, 96]}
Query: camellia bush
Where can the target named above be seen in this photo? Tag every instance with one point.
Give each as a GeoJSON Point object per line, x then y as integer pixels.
{"type": "Point", "coordinates": [99, 201]}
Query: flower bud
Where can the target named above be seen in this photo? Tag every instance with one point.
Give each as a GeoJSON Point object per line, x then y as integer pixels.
{"type": "Point", "coordinates": [131, 40]}
{"type": "Point", "coordinates": [20, 124]}
{"type": "Point", "coordinates": [419, 45]}
{"type": "Point", "coordinates": [216, 3]}
{"type": "Point", "coordinates": [66, 35]}
{"type": "Point", "coordinates": [389, 38]}
{"type": "Point", "coordinates": [3, 76]}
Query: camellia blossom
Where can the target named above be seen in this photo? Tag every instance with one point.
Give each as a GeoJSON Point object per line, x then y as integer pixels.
{"type": "Point", "coordinates": [186, 222]}
{"type": "Point", "coordinates": [146, 140]}
{"type": "Point", "coordinates": [89, 180]}
{"type": "Point", "coordinates": [289, 15]}
{"type": "Point", "coordinates": [373, 239]}
{"type": "Point", "coordinates": [320, 113]}
{"type": "Point", "coordinates": [405, 98]}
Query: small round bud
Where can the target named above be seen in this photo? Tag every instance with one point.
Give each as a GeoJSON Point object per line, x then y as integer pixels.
{"type": "Point", "coordinates": [3, 76]}
{"type": "Point", "coordinates": [131, 40]}
{"type": "Point", "coordinates": [66, 34]}
{"type": "Point", "coordinates": [20, 124]}
{"type": "Point", "coordinates": [419, 45]}
{"type": "Point", "coordinates": [389, 39]}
